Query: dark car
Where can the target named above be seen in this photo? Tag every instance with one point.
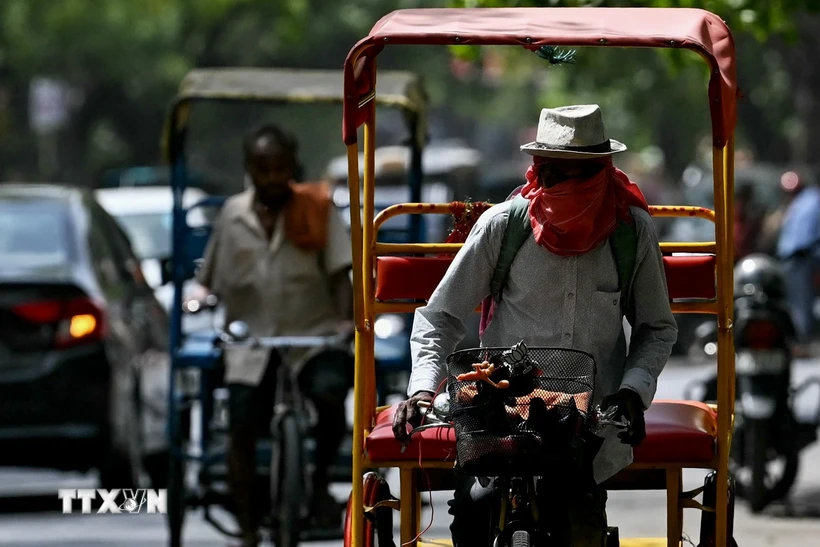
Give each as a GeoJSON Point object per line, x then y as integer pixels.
{"type": "Point", "coordinates": [78, 325]}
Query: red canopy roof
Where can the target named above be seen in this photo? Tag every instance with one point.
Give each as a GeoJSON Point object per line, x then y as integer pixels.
{"type": "Point", "coordinates": [695, 29]}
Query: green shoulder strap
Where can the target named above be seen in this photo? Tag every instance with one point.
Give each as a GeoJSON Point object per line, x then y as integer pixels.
{"type": "Point", "coordinates": [624, 245]}
{"type": "Point", "coordinates": [623, 242]}
{"type": "Point", "coordinates": [515, 234]}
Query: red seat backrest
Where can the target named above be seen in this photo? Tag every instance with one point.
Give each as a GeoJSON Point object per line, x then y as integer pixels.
{"type": "Point", "coordinates": [415, 278]}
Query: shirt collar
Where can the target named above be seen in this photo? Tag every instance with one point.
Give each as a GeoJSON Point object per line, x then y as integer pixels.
{"type": "Point", "coordinates": [248, 216]}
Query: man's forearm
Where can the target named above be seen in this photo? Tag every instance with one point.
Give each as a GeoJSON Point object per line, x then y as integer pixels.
{"type": "Point", "coordinates": [648, 354]}
{"type": "Point", "coordinates": [435, 335]}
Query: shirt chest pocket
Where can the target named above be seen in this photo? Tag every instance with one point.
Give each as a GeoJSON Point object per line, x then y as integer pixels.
{"type": "Point", "coordinates": [240, 268]}
{"type": "Point", "coordinates": [606, 322]}
{"type": "Point", "coordinates": [301, 270]}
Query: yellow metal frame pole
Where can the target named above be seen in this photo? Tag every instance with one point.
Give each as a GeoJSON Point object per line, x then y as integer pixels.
{"type": "Point", "coordinates": [361, 230]}
{"type": "Point", "coordinates": [724, 195]}
{"type": "Point", "coordinates": [357, 503]}
{"type": "Point", "coordinates": [367, 399]}
{"type": "Point", "coordinates": [730, 191]}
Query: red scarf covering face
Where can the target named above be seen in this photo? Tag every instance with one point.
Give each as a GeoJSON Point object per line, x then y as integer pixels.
{"type": "Point", "coordinates": [575, 216]}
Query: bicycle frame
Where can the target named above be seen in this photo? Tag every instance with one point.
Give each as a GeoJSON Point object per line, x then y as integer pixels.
{"type": "Point", "coordinates": [531, 28]}
{"type": "Point", "coordinates": [290, 400]}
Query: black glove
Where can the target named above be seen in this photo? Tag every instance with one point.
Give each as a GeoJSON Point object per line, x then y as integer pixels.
{"type": "Point", "coordinates": [630, 406]}
{"type": "Point", "coordinates": [408, 412]}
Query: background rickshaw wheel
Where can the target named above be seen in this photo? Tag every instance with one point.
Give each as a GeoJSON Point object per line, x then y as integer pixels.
{"type": "Point", "coordinates": [378, 528]}
{"type": "Point", "coordinates": [177, 496]}
{"type": "Point", "coordinates": [288, 490]}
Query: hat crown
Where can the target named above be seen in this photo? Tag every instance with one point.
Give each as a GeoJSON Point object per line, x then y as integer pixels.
{"type": "Point", "coordinates": [572, 126]}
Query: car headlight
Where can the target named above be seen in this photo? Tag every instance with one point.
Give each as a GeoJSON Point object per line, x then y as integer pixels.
{"type": "Point", "coordinates": [388, 325]}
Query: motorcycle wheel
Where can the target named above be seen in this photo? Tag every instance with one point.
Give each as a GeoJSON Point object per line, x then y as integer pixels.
{"type": "Point", "coordinates": [757, 487]}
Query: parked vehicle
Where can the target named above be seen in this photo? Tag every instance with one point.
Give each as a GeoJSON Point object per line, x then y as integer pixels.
{"type": "Point", "coordinates": [768, 436]}
{"type": "Point", "coordinates": [448, 169]}
{"type": "Point", "coordinates": [154, 175]}
{"type": "Point", "coordinates": [79, 326]}
{"type": "Point", "coordinates": [144, 212]}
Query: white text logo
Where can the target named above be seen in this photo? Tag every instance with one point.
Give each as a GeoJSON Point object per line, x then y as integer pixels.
{"type": "Point", "coordinates": [116, 501]}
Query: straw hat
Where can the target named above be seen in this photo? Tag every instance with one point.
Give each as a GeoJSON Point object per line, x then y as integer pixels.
{"type": "Point", "coordinates": [573, 132]}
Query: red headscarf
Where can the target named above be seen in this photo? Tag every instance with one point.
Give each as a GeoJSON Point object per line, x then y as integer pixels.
{"type": "Point", "coordinates": [576, 216]}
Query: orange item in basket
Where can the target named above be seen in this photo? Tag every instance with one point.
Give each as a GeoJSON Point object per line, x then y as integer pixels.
{"type": "Point", "coordinates": [482, 372]}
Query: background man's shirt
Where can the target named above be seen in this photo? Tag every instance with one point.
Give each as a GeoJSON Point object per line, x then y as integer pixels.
{"type": "Point", "coordinates": [274, 286]}
{"type": "Point", "coordinates": [801, 225]}
{"type": "Point", "coordinates": [555, 301]}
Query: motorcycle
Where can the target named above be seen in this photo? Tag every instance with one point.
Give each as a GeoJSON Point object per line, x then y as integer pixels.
{"type": "Point", "coordinates": [768, 435]}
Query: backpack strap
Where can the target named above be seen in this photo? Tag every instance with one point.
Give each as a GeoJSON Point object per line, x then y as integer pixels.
{"type": "Point", "coordinates": [623, 242]}
{"type": "Point", "coordinates": [624, 245]}
{"type": "Point", "coordinates": [515, 234]}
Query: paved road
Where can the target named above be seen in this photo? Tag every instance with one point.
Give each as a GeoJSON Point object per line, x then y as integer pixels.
{"type": "Point", "coordinates": [36, 520]}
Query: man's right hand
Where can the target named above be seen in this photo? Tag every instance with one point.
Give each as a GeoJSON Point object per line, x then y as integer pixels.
{"type": "Point", "coordinates": [408, 412]}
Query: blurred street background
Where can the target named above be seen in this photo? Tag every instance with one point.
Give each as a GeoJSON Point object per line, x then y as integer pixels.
{"type": "Point", "coordinates": [85, 91]}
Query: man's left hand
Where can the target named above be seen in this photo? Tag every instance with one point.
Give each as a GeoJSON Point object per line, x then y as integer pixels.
{"type": "Point", "coordinates": [629, 406]}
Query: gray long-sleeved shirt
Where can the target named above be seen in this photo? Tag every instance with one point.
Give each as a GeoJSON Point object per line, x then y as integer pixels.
{"type": "Point", "coordinates": [555, 301]}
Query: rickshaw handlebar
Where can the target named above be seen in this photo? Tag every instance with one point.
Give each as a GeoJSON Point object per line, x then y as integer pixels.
{"type": "Point", "coordinates": [281, 342]}
{"type": "Point", "coordinates": [600, 418]}
{"type": "Point", "coordinates": [608, 418]}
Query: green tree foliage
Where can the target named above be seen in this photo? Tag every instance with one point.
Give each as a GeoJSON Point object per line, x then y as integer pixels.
{"type": "Point", "coordinates": [125, 59]}
{"type": "Point", "coordinates": [659, 97]}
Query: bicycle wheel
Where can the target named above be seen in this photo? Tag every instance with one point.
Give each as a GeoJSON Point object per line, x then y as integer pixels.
{"type": "Point", "coordinates": [288, 488]}
{"type": "Point", "coordinates": [378, 529]}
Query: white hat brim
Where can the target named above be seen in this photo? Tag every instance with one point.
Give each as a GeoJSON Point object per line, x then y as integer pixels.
{"type": "Point", "coordinates": [537, 149]}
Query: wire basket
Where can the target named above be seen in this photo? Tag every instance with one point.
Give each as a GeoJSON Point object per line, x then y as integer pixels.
{"type": "Point", "coordinates": [534, 418]}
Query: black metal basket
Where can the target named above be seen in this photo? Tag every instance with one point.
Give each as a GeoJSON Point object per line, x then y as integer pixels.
{"type": "Point", "coordinates": [538, 420]}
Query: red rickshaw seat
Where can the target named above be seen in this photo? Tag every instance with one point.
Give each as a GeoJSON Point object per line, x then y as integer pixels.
{"type": "Point", "coordinates": [676, 432]}
{"type": "Point", "coordinates": [416, 277]}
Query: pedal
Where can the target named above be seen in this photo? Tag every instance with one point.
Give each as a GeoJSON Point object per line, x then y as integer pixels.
{"type": "Point", "coordinates": [612, 537]}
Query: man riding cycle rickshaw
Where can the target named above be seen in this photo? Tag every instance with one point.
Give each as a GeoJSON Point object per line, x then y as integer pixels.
{"type": "Point", "coordinates": [479, 416]}
{"type": "Point", "coordinates": [267, 394]}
